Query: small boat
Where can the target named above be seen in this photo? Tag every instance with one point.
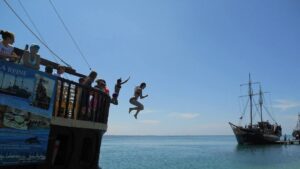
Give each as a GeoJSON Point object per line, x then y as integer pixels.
{"type": "Point", "coordinates": [261, 133]}
{"type": "Point", "coordinates": [296, 131]}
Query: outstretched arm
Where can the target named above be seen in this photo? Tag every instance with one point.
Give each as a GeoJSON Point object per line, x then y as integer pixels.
{"type": "Point", "coordinates": [3, 56]}
{"type": "Point", "coordinates": [126, 80]}
{"type": "Point", "coordinates": [144, 96]}
{"type": "Point", "coordinates": [7, 56]}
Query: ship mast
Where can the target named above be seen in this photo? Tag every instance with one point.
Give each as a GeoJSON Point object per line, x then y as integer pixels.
{"type": "Point", "coordinates": [260, 103]}
{"type": "Point", "coordinates": [250, 93]}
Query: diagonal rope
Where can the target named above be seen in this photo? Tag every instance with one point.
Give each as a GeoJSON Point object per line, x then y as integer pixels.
{"type": "Point", "coordinates": [257, 110]}
{"type": "Point", "coordinates": [244, 112]}
{"type": "Point", "coordinates": [34, 26]}
{"type": "Point", "coordinates": [36, 36]}
{"type": "Point", "coordinates": [69, 33]}
{"type": "Point", "coordinates": [269, 113]}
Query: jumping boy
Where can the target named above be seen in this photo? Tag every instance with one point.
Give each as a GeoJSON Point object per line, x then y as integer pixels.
{"type": "Point", "coordinates": [118, 87]}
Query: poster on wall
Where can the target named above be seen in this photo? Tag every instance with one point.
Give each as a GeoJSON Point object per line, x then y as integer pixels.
{"type": "Point", "coordinates": [26, 106]}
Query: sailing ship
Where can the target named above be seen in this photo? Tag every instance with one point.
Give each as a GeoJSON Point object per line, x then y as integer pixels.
{"type": "Point", "coordinates": [261, 133]}
{"type": "Point", "coordinates": [296, 131]}
{"type": "Point", "coordinates": [14, 89]}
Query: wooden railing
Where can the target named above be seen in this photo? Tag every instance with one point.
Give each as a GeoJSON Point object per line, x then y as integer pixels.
{"type": "Point", "coordinates": [78, 102]}
{"type": "Point", "coordinates": [70, 102]}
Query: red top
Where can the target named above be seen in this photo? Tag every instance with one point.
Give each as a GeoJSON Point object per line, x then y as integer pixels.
{"type": "Point", "coordinates": [106, 90]}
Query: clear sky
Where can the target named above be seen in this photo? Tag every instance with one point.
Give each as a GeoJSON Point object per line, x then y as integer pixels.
{"type": "Point", "coordinates": [193, 55]}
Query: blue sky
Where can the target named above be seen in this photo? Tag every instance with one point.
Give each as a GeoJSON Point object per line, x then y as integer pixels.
{"type": "Point", "coordinates": [193, 55]}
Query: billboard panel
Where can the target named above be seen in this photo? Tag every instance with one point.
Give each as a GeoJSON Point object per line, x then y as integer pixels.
{"type": "Point", "coordinates": [26, 106]}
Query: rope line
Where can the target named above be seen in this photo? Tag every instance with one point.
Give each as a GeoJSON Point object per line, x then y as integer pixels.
{"type": "Point", "coordinates": [50, 50]}
{"type": "Point", "coordinates": [267, 110]}
{"type": "Point", "coordinates": [69, 33]}
{"type": "Point", "coordinates": [257, 110]}
{"type": "Point", "coordinates": [34, 26]}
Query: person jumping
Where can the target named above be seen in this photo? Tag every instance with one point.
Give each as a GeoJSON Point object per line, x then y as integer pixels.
{"type": "Point", "coordinates": [138, 92]}
{"type": "Point", "coordinates": [118, 87]}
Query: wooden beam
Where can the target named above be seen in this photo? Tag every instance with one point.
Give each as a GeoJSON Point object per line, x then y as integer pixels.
{"type": "Point", "coordinates": [46, 62]}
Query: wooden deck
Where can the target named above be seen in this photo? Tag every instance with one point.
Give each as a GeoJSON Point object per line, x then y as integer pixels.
{"type": "Point", "coordinates": [288, 142]}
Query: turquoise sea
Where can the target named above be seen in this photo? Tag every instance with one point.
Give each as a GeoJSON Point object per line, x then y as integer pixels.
{"type": "Point", "coordinates": [193, 152]}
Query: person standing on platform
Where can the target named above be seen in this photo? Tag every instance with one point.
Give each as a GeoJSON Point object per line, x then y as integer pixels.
{"type": "Point", "coordinates": [60, 71]}
{"type": "Point", "coordinates": [32, 59]}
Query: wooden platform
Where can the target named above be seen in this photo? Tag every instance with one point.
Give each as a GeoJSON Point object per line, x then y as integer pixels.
{"type": "Point", "coordinates": [288, 142]}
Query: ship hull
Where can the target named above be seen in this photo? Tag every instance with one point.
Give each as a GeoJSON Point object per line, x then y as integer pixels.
{"type": "Point", "coordinates": [296, 134]}
{"type": "Point", "coordinates": [253, 136]}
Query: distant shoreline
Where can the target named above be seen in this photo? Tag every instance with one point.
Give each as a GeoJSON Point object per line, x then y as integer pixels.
{"type": "Point", "coordinates": [164, 135]}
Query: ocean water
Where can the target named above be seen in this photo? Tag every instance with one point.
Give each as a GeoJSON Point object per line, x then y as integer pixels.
{"type": "Point", "coordinates": [193, 152]}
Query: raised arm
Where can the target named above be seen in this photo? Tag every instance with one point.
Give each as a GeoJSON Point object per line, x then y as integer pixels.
{"type": "Point", "coordinates": [126, 80]}
{"type": "Point", "coordinates": [25, 58]}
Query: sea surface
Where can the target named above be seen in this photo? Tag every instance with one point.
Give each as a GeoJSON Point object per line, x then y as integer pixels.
{"type": "Point", "coordinates": [193, 152]}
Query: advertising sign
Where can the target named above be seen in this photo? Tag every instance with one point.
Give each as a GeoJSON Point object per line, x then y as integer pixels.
{"type": "Point", "coordinates": [26, 105]}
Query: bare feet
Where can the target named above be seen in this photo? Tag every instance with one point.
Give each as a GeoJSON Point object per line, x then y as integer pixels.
{"type": "Point", "coordinates": [130, 109]}
{"type": "Point", "coordinates": [135, 116]}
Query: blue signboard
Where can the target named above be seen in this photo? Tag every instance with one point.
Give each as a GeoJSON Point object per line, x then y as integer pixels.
{"type": "Point", "coordinates": [26, 106]}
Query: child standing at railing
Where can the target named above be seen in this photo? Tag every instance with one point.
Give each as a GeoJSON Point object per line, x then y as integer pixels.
{"type": "Point", "coordinates": [32, 59]}
{"type": "Point", "coordinates": [85, 94]}
{"type": "Point", "coordinates": [6, 50]}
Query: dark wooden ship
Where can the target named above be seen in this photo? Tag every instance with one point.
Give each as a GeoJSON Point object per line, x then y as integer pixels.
{"type": "Point", "coordinates": [263, 132]}
{"type": "Point", "coordinates": [75, 134]}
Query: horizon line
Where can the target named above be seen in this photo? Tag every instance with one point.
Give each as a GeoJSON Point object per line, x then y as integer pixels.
{"type": "Point", "coordinates": [168, 135]}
